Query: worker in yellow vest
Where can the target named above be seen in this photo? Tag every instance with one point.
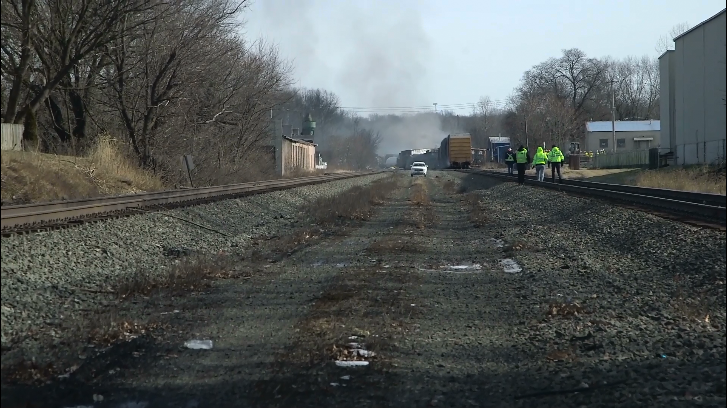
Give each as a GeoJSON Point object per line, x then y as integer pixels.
{"type": "Point", "coordinates": [539, 161]}
{"type": "Point", "coordinates": [556, 158]}
{"type": "Point", "coordinates": [547, 154]}
{"type": "Point", "coordinates": [510, 160]}
{"type": "Point", "coordinates": [522, 158]}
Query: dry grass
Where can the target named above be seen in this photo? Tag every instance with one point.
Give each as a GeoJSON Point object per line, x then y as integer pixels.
{"type": "Point", "coordinates": [704, 179]}
{"type": "Point", "coordinates": [419, 195]}
{"type": "Point", "coordinates": [421, 213]}
{"type": "Point", "coordinates": [356, 203]}
{"type": "Point", "coordinates": [297, 172]}
{"type": "Point", "coordinates": [393, 245]}
{"type": "Point", "coordinates": [357, 303]}
{"type": "Point", "coordinates": [188, 275]}
{"type": "Point", "coordinates": [37, 177]}
{"type": "Point", "coordinates": [564, 309]}
{"type": "Point", "coordinates": [449, 187]}
{"type": "Point", "coordinates": [477, 212]}
{"type": "Point", "coordinates": [330, 216]}
{"type": "Point", "coordinates": [99, 329]}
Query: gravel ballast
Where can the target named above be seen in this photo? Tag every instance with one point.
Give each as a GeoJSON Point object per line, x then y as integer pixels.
{"type": "Point", "coordinates": [597, 306]}
{"type": "Point", "coordinates": [48, 276]}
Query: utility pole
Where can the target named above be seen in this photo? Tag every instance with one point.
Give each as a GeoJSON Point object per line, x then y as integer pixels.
{"type": "Point", "coordinates": [613, 115]}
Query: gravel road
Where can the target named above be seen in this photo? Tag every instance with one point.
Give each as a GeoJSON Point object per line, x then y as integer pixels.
{"type": "Point", "coordinates": [460, 291]}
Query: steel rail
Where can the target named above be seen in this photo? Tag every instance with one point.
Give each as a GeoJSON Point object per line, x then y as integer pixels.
{"type": "Point", "coordinates": [688, 196]}
{"type": "Point", "coordinates": [708, 207]}
{"type": "Point", "coordinates": [60, 211]}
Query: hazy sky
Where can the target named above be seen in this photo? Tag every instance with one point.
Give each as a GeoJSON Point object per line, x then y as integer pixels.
{"type": "Point", "coordinates": [412, 53]}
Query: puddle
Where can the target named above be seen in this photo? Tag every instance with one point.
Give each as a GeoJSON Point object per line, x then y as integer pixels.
{"type": "Point", "coordinates": [465, 268]}
{"type": "Point", "coordinates": [341, 363]}
{"type": "Point", "coordinates": [198, 344]}
{"type": "Point", "coordinates": [510, 266]}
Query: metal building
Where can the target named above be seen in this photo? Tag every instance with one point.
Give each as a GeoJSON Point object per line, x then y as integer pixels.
{"type": "Point", "coordinates": [298, 155]}
{"type": "Point", "coordinates": [692, 87]}
{"type": "Point", "coordinates": [630, 135]}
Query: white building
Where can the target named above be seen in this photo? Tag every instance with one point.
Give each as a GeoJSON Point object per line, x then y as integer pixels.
{"type": "Point", "coordinates": [692, 96]}
{"type": "Point", "coordinates": [630, 135]}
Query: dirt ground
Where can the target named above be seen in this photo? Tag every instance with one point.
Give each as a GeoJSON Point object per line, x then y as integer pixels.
{"type": "Point", "coordinates": [404, 292]}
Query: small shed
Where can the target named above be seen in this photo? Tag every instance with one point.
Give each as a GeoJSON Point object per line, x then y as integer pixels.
{"type": "Point", "coordinates": [497, 147]}
{"type": "Point", "coordinates": [298, 154]}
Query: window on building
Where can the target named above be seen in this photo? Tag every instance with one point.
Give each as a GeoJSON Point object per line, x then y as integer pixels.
{"type": "Point", "coordinates": [620, 143]}
{"type": "Point", "coordinates": [603, 143]}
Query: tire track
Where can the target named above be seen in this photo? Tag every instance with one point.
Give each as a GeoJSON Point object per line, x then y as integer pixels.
{"type": "Point", "coordinates": [370, 305]}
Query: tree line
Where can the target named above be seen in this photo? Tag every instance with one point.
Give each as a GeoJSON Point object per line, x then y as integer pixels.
{"type": "Point", "coordinates": [173, 77]}
{"type": "Point", "coordinates": [550, 105]}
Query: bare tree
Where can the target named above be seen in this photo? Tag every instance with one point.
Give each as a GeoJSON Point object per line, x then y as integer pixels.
{"type": "Point", "coordinates": [666, 42]}
{"type": "Point", "coordinates": [47, 39]}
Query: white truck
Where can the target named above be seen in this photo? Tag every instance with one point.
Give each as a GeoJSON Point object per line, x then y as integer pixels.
{"type": "Point", "coordinates": [419, 168]}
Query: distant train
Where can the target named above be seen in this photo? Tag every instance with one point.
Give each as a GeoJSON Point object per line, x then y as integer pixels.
{"type": "Point", "coordinates": [454, 152]}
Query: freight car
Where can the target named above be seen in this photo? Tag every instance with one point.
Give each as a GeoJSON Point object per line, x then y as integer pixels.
{"type": "Point", "coordinates": [455, 151]}
{"type": "Point", "coordinates": [429, 156]}
{"type": "Point", "coordinates": [403, 159]}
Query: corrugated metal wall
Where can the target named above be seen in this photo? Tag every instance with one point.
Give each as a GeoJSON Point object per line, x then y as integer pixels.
{"type": "Point", "coordinates": [298, 156]}
{"type": "Point", "coordinates": [634, 158]}
{"type": "Point", "coordinates": [12, 136]}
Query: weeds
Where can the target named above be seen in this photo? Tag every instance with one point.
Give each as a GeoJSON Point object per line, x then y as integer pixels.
{"type": "Point", "coordinates": [186, 276]}
{"type": "Point", "coordinates": [357, 307]}
{"type": "Point", "coordinates": [449, 187]}
{"type": "Point", "coordinates": [105, 170]}
{"type": "Point", "coordinates": [477, 212]}
{"type": "Point", "coordinates": [706, 179]}
{"type": "Point", "coordinates": [421, 214]}
{"type": "Point", "coordinates": [564, 309]}
{"type": "Point", "coordinates": [393, 245]}
{"type": "Point", "coordinates": [355, 204]}
{"type": "Point", "coordinates": [419, 195]}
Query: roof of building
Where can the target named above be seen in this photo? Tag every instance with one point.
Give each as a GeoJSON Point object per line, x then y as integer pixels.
{"type": "Point", "coordinates": [700, 24]}
{"type": "Point", "coordinates": [625, 126]}
{"type": "Point", "coordinates": [499, 139]}
{"type": "Point", "coordinates": [301, 141]}
{"type": "Point", "coordinates": [664, 53]}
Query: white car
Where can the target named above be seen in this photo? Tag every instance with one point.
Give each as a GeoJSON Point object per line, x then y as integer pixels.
{"type": "Point", "coordinates": [418, 168]}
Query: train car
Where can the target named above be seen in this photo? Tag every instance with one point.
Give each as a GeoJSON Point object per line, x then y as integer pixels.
{"type": "Point", "coordinates": [479, 157]}
{"type": "Point", "coordinates": [428, 156]}
{"type": "Point", "coordinates": [455, 151]}
{"type": "Point", "coordinates": [403, 160]}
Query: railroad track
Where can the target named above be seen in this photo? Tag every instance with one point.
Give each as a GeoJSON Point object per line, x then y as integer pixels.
{"type": "Point", "coordinates": [701, 208]}
{"type": "Point", "coordinates": [62, 214]}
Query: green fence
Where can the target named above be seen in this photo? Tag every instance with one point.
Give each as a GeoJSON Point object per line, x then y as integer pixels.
{"type": "Point", "coordinates": [621, 160]}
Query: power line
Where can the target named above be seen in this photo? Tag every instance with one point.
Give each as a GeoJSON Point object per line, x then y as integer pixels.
{"type": "Point", "coordinates": [424, 108]}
